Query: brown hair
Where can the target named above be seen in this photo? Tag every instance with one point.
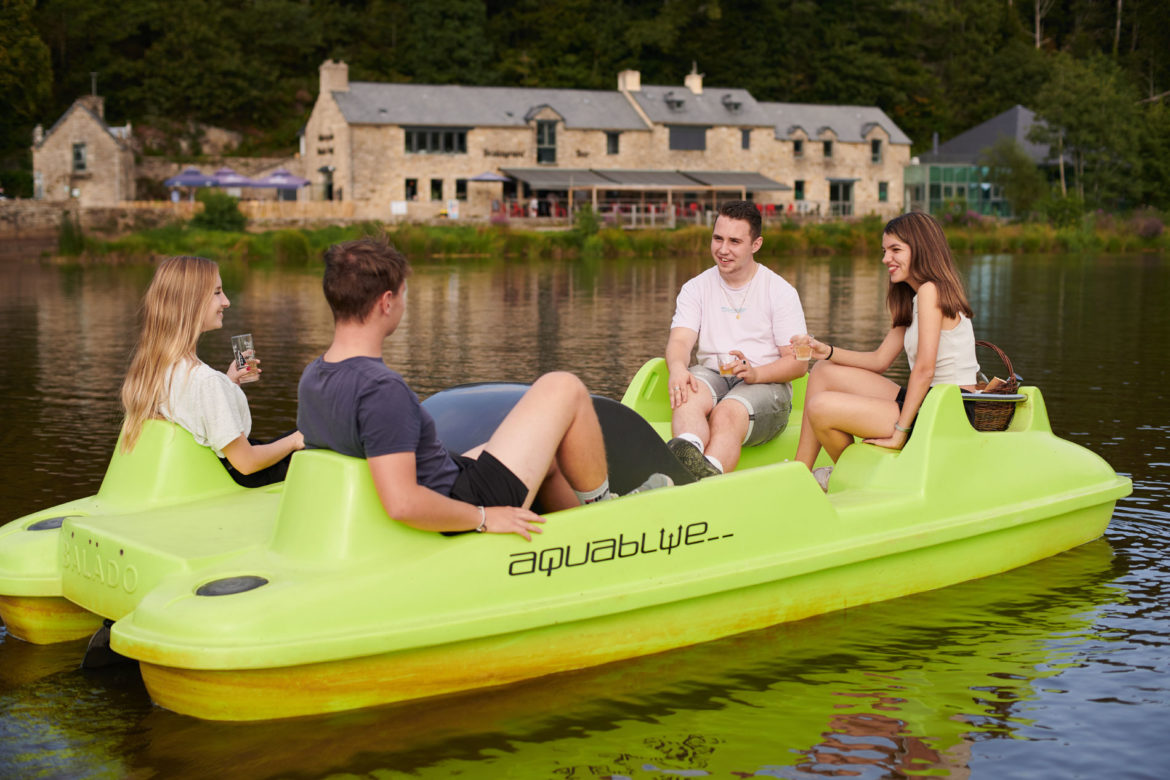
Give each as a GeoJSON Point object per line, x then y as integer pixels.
{"type": "Point", "coordinates": [358, 272]}
{"type": "Point", "coordinates": [172, 314]}
{"type": "Point", "coordinates": [930, 261]}
{"type": "Point", "coordinates": [747, 211]}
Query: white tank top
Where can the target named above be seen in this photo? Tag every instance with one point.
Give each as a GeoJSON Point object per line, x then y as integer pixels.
{"type": "Point", "coordinates": [956, 363]}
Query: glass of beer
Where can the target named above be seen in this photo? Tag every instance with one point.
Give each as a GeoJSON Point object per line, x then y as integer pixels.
{"type": "Point", "coordinates": [802, 346]}
{"type": "Point", "coordinates": [245, 352]}
{"type": "Point", "coordinates": [727, 365]}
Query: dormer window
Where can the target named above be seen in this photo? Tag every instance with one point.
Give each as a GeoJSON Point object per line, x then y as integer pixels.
{"type": "Point", "coordinates": [673, 101]}
{"type": "Point", "coordinates": [731, 104]}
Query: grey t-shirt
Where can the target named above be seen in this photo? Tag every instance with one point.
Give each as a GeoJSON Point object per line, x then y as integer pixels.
{"type": "Point", "coordinates": [362, 408]}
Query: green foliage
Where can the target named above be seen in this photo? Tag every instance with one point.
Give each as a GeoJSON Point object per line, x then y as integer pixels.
{"type": "Point", "coordinates": [70, 238]}
{"type": "Point", "coordinates": [585, 221]}
{"type": "Point", "coordinates": [17, 184]}
{"type": "Point", "coordinates": [1020, 178]}
{"type": "Point", "coordinates": [26, 75]}
{"type": "Point", "coordinates": [220, 212]}
{"type": "Point", "coordinates": [1064, 212]}
{"type": "Point", "coordinates": [1090, 111]}
{"type": "Point", "coordinates": [291, 247]}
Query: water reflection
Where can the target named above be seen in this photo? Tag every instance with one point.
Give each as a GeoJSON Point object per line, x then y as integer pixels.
{"type": "Point", "coordinates": [1056, 669]}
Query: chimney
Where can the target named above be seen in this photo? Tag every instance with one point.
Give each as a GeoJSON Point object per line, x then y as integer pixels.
{"type": "Point", "coordinates": [934, 142]}
{"type": "Point", "coordinates": [630, 81]}
{"type": "Point", "coordinates": [95, 104]}
{"type": "Point", "coordinates": [694, 79]}
{"type": "Point", "coordinates": [334, 76]}
{"type": "Point", "coordinates": [38, 134]}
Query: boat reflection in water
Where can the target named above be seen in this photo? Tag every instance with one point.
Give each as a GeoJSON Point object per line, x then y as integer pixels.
{"type": "Point", "coordinates": [901, 686]}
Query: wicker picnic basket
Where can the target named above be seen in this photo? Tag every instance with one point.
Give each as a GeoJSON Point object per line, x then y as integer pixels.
{"type": "Point", "coordinates": [995, 415]}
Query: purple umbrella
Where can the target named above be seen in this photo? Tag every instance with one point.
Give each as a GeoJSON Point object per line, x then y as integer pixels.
{"type": "Point", "coordinates": [489, 176]}
{"type": "Point", "coordinates": [191, 177]}
{"type": "Point", "coordinates": [226, 177]}
{"type": "Point", "coordinates": [281, 179]}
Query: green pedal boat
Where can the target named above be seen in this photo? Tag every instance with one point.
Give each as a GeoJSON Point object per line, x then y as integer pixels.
{"type": "Point", "coordinates": [239, 609]}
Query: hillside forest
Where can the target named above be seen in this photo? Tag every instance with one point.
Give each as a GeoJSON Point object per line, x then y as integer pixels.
{"type": "Point", "coordinates": [1097, 71]}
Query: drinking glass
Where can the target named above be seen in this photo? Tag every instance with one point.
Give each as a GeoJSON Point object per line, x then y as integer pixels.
{"type": "Point", "coordinates": [245, 352]}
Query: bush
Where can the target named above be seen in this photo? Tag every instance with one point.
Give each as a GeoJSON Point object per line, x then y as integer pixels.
{"type": "Point", "coordinates": [1147, 225]}
{"type": "Point", "coordinates": [16, 184]}
{"type": "Point", "coordinates": [1064, 212]}
{"type": "Point", "coordinates": [291, 247]}
{"type": "Point", "coordinates": [220, 212]}
{"type": "Point", "coordinates": [70, 239]}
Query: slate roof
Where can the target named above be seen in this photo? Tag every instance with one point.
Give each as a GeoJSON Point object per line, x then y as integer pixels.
{"type": "Point", "coordinates": [715, 106]}
{"type": "Point", "coordinates": [120, 134]}
{"type": "Point", "coordinates": [849, 123]}
{"type": "Point", "coordinates": [452, 105]}
{"type": "Point", "coordinates": [967, 147]}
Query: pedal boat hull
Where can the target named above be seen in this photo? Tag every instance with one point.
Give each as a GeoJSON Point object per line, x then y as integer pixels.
{"type": "Point", "coordinates": [354, 610]}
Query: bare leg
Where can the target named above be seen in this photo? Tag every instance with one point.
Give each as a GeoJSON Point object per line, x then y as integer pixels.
{"type": "Point", "coordinates": [691, 417]}
{"type": "Point", "coordinates": [843, 402]}
{"type": "Point", "coordinates": [729, 425]}
{"type": "Point", "coordinates": [553, 421]}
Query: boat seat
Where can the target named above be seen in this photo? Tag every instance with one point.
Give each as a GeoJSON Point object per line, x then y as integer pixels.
{"type": "Point", "coordinates": [166, 466]}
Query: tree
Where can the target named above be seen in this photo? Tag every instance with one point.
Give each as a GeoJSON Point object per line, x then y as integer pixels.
{"type": "Point", "coordinates": [1090, 112]}
{"type": "Point", "coordinates": [26, 76]}
{"type": "Point", "coordinates": [1013, 170]}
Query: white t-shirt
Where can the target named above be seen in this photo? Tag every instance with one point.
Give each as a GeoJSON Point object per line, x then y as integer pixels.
{"type": "Point", "coordinates": [768, 309]}
{"type": "Point", "coordinates": [206, 403]}
{"type": "Point", "coordinates": [955, 363]}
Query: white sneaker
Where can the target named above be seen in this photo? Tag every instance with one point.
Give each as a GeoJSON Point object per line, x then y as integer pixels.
{"type": "Point", "coordinates": [652, 482]}
{"type": "Point", "coordinates": [821, 475]}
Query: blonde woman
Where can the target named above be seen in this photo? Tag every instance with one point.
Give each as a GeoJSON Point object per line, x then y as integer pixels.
{"type": "Point", "coordinates": [167, 380]}
{"type": "Point", "coordinates": [847, 395]}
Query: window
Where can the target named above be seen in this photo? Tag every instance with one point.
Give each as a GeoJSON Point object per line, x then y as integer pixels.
{"type": "Point", "coordinates": [412, 189]}
{"type": "Point", "coordinates": [685, 138]}
{"type": "Point", "coordinates": [461, 189]}
{"type": "Point", "coordinates": [840, 198]}
{"type": "Point", "coordinates": [546, 141]}
{"type": "Point", "coordinates": [745, 139]}
{"type": "Point", "coordinates": [79, 158]}
{"type": "Point", "coordinates": [436, 140]}
{"type": "Point", "coordinates": [798, 148]}
{"type": "Point", "coordinates": [883, 191]}
{"type": "Point", "coordinates": [798, 189]}
{"type": "Point", "coordinates": [875, 150]}
{"type": "Point", "coordinates": [828, 149]}
{"type": "Point", "coordinates": [611, 143]}
{"type": "Point", "coordinates": [436, 189]}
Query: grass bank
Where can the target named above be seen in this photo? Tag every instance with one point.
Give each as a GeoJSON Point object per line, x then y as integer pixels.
{"type": "Point", "coordinates": [859, 237]}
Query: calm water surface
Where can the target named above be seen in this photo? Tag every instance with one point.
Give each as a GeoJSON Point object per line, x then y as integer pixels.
{"type": "Point", "coordinates": [1060, 669]}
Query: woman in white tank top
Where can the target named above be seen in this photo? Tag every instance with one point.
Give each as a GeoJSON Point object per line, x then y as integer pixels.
{"type": "Point", "coordinates": [847, 395]}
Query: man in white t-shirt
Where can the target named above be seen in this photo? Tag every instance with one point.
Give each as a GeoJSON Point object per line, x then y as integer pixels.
{"type": "Point", "coordinates": [739, 313]}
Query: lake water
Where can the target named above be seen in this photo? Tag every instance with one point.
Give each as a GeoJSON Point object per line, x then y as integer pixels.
{"type": "Point", "coordinates": [1060, 669]}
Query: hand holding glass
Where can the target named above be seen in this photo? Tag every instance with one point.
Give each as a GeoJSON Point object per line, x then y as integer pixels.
{"type": "Point", "coordinates": [802, 346]}
{"type": "Point", "coordinates": [727, 367]}
{"type": "Point", "coordinates": [245, 352]}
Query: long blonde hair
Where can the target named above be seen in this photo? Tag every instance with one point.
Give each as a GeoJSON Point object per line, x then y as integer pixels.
{"type": "Point", "coordinates": [172, 315]}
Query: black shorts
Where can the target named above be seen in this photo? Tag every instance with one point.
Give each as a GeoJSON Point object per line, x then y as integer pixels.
{"type": "Point", "coordinates": [901, 400]}
{"type": "Point", "coordinates": [265, 476]}
{"type": "Point", "coordinates": [485, 481]}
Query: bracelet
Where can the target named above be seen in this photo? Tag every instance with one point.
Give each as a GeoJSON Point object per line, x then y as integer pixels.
{"type": "Point", "coordinates": [831, 348]}
{"type": "Point", "coordinates": [900, 428]}
{"type": "Point", "coordinates": [482, 520]}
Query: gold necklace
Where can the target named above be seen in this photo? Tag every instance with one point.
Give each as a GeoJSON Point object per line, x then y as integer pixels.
{"type": "Point", "coordinates": [742, 301]}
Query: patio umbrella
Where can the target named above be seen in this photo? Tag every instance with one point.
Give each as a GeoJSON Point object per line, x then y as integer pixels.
{"type": "Point", "coordinates": [191, 177]}
{"type": "Point", "coordinates": [281, 179]}
{"type": "Point", "coordinates": [489, 176]}
{"type": "Point", "coordinates": [226, 177]}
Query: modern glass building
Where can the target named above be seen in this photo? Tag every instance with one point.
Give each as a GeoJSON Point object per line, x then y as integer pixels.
{"type": "Point", "coordinates": [952, 175]}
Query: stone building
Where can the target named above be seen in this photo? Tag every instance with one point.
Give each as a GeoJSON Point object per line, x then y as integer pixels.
{"type": "Point", "coordinates": [82, 158]}
{"type": "Point", "coordinates": [421, 150]}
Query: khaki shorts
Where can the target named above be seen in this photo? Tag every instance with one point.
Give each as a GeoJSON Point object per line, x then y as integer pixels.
{"type": "Point", "coordinates": [768, 405]}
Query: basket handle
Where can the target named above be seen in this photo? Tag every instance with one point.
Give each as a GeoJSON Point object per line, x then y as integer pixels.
{"type": "Point", "coordinates": [1011, 384]}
